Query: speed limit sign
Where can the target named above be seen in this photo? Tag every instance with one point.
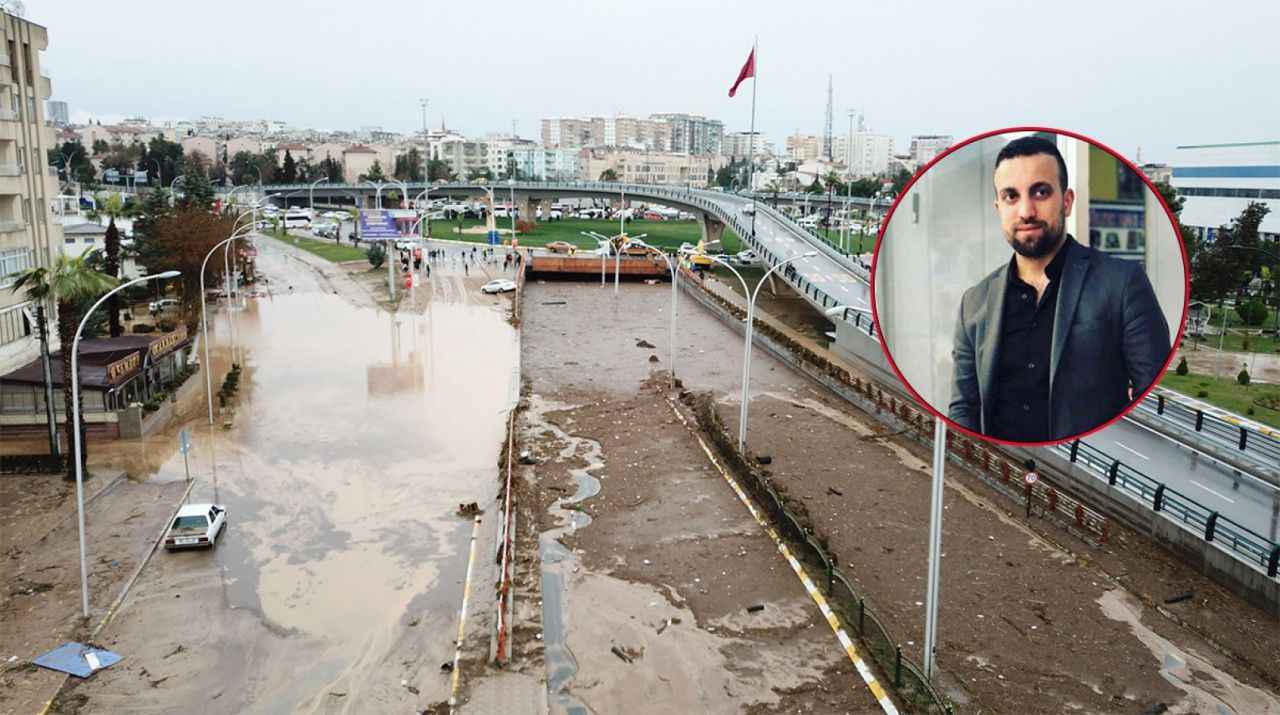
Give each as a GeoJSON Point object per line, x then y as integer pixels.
{"type": "Point", "coordinates": [1030, 478]}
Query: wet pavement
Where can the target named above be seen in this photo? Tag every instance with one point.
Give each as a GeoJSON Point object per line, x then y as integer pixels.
{"type": "Point", "coordinates": [356, 434]}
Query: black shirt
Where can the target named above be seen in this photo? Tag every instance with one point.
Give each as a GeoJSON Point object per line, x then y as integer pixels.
{"type": "Point", "coordinates": [1022, 359]}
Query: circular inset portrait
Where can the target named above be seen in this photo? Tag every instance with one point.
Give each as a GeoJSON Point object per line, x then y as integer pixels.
{"type": "Point", "coordinates": [1029, 286]}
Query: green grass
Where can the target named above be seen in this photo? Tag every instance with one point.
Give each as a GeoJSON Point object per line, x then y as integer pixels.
{"type": "Point", "coordinates": [1235, 343]}
{"type": "Point", "coordinates": [663, 234]}
{"type": "Point", "coordinates": [857, 243]}
{"type": "Point", "coordinates": [327, 250]}
{"type": "Point", "coordinates": [1227, 394]}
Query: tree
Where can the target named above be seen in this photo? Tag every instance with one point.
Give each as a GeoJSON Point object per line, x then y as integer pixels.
{"type": "Point", "coordinates": [331, 169]}
{"type": "Point", "coordinates": [145, 246]}
{"type": "Point", "coordinates": [196, 161]}
{"type": "Point", "coordinates": [375, 173]}
{"type": "Point", "coordinates": [68, 282]}
{"type": "Point", "coordinates": [307, 172]}
{"type": "Point", "coordinates": [100, 146]}
{"type": "Point", "coordinates": [409, 166]}
{"type": "Point", "coordinates": [723, 177]}
{"type": "Point", "coordinates": [833, 182]}
{"type": "Point", "coordinates": [1190, 239]}
{"type": "Point", "coordinates": [815, 187]}
{"type": "Point", "coordinates": [900, 180]}
{"type": "Point", "coordinates": [289, 171]}
{"type": "Point", "coordinates": [609, 175]}
{"type": "Point", "coordinates": [169, 157]}
{"type": "Point", "coordinates": [111, 266]}
{"type": "Point", "coordinates": [1225, 266]}
{"type": "Point", "coordinates": [438, 169]}
{"type": "Point", "coordinates": [480, 174]}
{"type": "Point", "coordinates": [180, 240]}
{"type": "Point", "coordinates": [197, 191]}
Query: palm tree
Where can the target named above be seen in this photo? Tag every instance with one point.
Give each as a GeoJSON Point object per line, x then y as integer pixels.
{"type": "Point", "coordinates": [69, 282]}
{"type": "Point", "coordinates": [774, 188]}
{"type": "Point", "coordinates": [608, 175]}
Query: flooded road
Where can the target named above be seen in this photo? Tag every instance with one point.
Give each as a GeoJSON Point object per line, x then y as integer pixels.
{"type": "Point", "coordinates": [356, 435]}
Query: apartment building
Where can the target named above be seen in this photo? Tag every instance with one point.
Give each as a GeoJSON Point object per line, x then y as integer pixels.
{"type": "Point", "coordinates": [924, 147]}
{"type": "Point", "coordinates": [693, 133]}
{"type": "Point", "coordinates": [566, 133]}
{"type": "Point", "coordinates": [30, 234]}
{"type": "Point", "coordinates": [640, 167]}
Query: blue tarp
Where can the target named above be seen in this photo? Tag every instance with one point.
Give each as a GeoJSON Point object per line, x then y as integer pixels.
{"type": "Point", "coordinates": [71, 658]}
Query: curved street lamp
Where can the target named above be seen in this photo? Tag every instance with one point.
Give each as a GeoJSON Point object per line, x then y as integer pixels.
{"type": "Point", "coordinates": [75, 408]}
{"type": "Point", "coordinates": [311, 198]}
{"type": "Point", "coordinates": [746, 362]}
{"type": "Point", "coordinates": [204, 318]}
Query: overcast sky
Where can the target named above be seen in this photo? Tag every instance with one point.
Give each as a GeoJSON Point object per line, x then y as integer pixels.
{"type": "Point", "coordinates": [1193, 73]}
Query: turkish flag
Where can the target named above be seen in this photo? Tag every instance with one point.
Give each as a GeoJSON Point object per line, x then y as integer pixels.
{"type": "Point", "coordinates": [748, 70]}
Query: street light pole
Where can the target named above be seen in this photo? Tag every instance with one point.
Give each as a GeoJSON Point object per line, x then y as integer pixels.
{"type": "Point", "coordinates": [75, 426]}
{"type": "Point", "coordinates": [311, 198]}
{"type": "Point", "coordinates": [746, 361]}
{"type": "Point", "coordinates": [204, 321]}
{"type": "Point", "coordinates": [935, 545]}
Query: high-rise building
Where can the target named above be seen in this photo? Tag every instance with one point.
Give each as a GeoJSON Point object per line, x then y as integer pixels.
{"type": "Point", "coordinates": [30, 236]}
{"type": "Point", "coordinates": [736, 145]}
{"type": "Point", "coordinates": [693, 133]}
{"type": "Point", "coordinates": [804, 147]}
{"type": "Point", "coordinates": [870, 154]}
{"type": "Point", "coordinates": [924, 147]}
{"type": "Point", "coordinates": [566, 133]}
{"type": "Point", "coordinates": [58, 113]}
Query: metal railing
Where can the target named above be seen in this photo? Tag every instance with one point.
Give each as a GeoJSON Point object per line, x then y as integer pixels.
{"type": "Point", "coordinates": [851, 605]}
{"type": "Point", "coordinates": [1240, 541]}
{"type": "Point", "coordinates": [1259, 445]}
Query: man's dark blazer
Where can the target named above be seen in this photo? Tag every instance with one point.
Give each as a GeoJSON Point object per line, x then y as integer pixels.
{"type": "Point", "coordinates": [1108, 335]}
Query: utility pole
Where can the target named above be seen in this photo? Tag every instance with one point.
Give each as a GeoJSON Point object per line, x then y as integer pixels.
{"type": "Point", "coordinates": [826, 138]}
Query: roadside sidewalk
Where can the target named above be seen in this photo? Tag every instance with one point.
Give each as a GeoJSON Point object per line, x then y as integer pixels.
{"type": "Point", "coordinates": [40, 606]}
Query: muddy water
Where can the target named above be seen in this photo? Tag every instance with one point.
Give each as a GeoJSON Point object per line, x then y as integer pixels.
{"type": "Point", "coordinates": [559, 562]}
{"type": "Point", "coordinates": [357, 434]}
{"type": "Point", "coordinates": [1206, 688]}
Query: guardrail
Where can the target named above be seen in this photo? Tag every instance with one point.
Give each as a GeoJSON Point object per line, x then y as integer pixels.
{"type": "Point", "coordinates": [1258, 445]}
{"type": "Point", "coordinates": [1242, 542]}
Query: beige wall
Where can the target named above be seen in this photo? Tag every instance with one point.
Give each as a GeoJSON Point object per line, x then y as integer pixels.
{"type": "Point", "coordinates": [356, 163]}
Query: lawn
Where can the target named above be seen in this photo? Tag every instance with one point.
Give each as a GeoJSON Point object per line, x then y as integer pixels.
{"type": "Point", "coordinates": [1234, 342]}
{"type": "Point", "coordinates": [327, 250]}
{"type": "Point", "coordinates": [663, 234]}
{"type": "Point", "coordinates": [858, 243]}
{"type": "Point", "coordinates": [1227, 394]}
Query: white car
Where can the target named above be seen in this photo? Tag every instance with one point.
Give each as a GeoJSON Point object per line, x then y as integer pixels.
{"type": "Point", "coordinates": [158, 306]}
{"type": "Point", "coordinates": [746, 258]}
{"type": "Point", "coordinates": [196, 526]}
{"type": "Point", "coordinates": [501, 285]}
{"type": "Point", "coordinates": [749, 210]}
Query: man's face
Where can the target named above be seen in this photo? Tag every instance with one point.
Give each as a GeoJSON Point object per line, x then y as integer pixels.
{"type": "Point", "coordinates": [1032, 206]}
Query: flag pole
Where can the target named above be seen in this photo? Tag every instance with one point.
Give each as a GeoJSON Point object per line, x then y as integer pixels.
{"type": "Point", "coordinates": [751, 141]}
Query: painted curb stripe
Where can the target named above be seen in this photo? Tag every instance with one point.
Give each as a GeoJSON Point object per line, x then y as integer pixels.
{"type": "Point", "coordinates": [877, 691]}
{"type": "Point", "coordinates": [462, 620]}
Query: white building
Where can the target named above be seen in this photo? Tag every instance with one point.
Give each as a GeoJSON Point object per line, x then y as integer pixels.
{"type": "Point", "coordinates": [536, 163]}
{"type": "Point", "coordinates": [924, 147]}
{"type": "Point", "coordinates": [735, 145]}
{"type": "Point", "coordinates": [58, 113]}
{"type": "Point", "coordinates": [870, 154]}
{"type": "Point", "coordinates": [1219, 180]}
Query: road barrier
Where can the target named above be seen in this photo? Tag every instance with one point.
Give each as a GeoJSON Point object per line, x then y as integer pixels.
{"type": "Point", "coordinates": [851, 605]}
{"type": "Point", "coordinates": [1243, 543]}
{"type": "Point", "coordinates": [1261, 444]}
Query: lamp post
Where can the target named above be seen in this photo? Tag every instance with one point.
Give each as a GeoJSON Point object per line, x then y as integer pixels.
{"type": "Point", "coordinates": [204, 318]}
{"type": "Point", "coordinates": [602, 244]}
{"type": "Point", "coordinates": [675, 297]}
{"type": "Point", "coordinates": [75, 421]}
{"type": "Point", "coordinates": [746, 361]}
{"type": "Point", "coordinates": [623, 241]}
{"type": "Point", "coordinates": [311, 197]}
{"type": "Point", "coordinates": [511, 183]}
{"type": "Point", "coordinates": [746, 331]}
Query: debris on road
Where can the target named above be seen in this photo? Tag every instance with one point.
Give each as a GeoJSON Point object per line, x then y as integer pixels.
{"type": "Point", "coordinates": [1180, 597]}
{"type": "Point", "coordinates": [833, 490]}
{"type": "Point", "coordinates": [469, 509]}
{"type": "Point", "coordinates": [77, 659]}
{"type": "Point", "coordinates": [619, 652]}
{"type": "Point", "coordinates": [756, 608]}
{"type": "Point", "coordinates": [644, 344]}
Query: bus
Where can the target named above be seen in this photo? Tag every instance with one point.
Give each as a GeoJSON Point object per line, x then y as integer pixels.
{"type": "Point", "coordinates": [297, 218]}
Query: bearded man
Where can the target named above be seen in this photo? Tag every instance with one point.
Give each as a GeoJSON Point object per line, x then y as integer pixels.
{"type": "Point", "coordinates": [1062, 338]}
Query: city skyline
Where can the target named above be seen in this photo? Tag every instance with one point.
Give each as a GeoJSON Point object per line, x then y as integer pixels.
{"type": "Point", "coordinates": [605, 62]}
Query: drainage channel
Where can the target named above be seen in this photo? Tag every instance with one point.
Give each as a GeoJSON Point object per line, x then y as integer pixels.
{"type": "Point", "coordinates": [558, 562]}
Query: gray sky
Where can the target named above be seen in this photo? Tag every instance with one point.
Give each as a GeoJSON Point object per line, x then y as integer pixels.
{"type": "Point", "coordinates": [1128, 74]}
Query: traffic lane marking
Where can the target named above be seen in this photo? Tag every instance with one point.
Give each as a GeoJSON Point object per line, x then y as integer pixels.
{"type": "Point", "coordinates": [1216, 494]}
{"type": "Point", "coordinates": [1127, 448]}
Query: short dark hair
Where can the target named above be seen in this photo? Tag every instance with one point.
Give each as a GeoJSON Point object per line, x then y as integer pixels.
{"type": "Point", "coordinates": [1031, 146]}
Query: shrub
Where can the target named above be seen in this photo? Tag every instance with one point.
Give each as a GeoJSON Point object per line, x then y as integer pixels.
{"type": "Point", "coordinates": [376, 255]}
{"type": "Point", "coordinates": [1249, 412]}
{"type": "Point", "coordinates": [1253, 312]}
{"type": "Point", "coordinates": [1202, 393]}
{"type": "Point", "coordinates": [1244, 343]}
{"type": "Point", "coordinates": [166, 326]}
{"type": "Point", "coordinates": [1243, 376]}
{"type": "Point", "coordinates": [1182, 366]}
{"type": "Point", "coordinates": [143, 328]}
{"type": "Point", "coordinates": [525, 226]}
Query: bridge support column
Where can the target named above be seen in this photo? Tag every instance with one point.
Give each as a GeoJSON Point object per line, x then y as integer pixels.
{"type": "Point", "coordinates": [529, 208]}
{"type": "Point", "coordinates": [712, 228]}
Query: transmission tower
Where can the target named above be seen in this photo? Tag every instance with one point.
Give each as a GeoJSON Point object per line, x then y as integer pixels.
{"type": "Point", "coordinates": [826, 137]}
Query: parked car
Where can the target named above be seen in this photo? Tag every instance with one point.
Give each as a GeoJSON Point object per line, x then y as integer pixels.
{"type": "Point", "coordinates": [196, 526]}
{"type": "Point", "coordinates": [325, 230]}
{"type": "Point", "coordinates": [501, 285]}
{"type": "Point", "coordinates": [749, 210]}
{"type": "Point", "coordinates": [159, 306]}
{"type": "Point", "coordinates": [561, 247]}
{"type": "Point", "coordinates": [746, 258]}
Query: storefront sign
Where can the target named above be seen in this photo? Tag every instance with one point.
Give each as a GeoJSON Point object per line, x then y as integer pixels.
{"type": "Point", "coordinates": [166, 343]}
{"type": "Point", "coordinates": [121, 368]}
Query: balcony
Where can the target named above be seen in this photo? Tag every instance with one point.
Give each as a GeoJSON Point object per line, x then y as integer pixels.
{"type": "Point", "coordinates": [10, 225]}
{"type": "Point", "coordinates": [10, 169]}
{"type": "Point", "coordinates": [46, 87]}
{"type": "Point", "coordinates": [8, 114]}
{"type": "Point", "coordinates": [4, 60]}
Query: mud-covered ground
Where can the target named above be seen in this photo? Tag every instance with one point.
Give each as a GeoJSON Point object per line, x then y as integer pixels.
{"type": "Point", "coordinates": [1031, 619]}
{"type": "Point", "coordinates": [662, 563]}
{"type": "Point", "coordinates": [356, 434]}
